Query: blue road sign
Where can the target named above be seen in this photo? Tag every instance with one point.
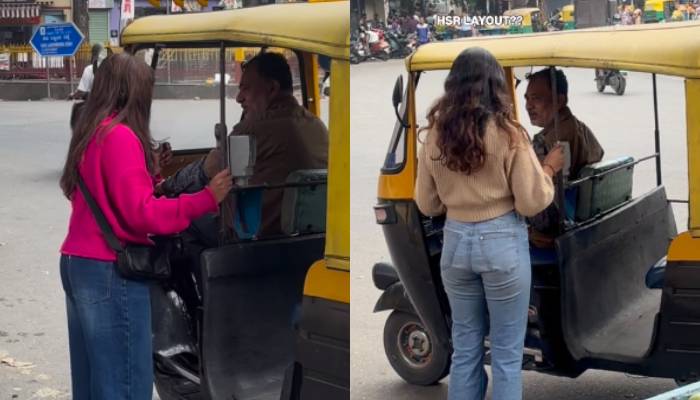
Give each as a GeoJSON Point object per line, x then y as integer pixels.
{"type": "Point", "coordinates": [57, 39]}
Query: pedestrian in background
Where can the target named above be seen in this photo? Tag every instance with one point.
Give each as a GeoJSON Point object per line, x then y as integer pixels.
{"type": "Point", "coordinates": [477, 165]}
{"type": "Point", "coordinates": [423, 32]}
{"type": "Point", "coordinates": [111, 150]}
{"type": "Point", "coordinates": [97, 54]}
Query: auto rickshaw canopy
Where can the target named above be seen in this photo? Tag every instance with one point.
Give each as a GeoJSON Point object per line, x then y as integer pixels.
{"type": "Point", "coordinates": [526, 13]}
{"type": "Point", "coordinates": [656, 5]}
{"type": "Point", "coordinates": [320, 28]}
{"type": "Point", "coordinates": [643, 48]}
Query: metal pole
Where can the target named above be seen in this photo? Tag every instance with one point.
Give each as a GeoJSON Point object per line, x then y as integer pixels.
{"type": "Point", "coordinates": [48, 78]}
{"type": "Point", "coordinates": [657, 138]}
{"type": "Point", "coordinates": [222, 83]}
{"type": "Point", "coordinates": [168, 4]}
{"type": "Point", "coordinates": [70, 72]}
{"type": "Point", "coordinates": [226, 205]}
{"type": "Point", "coordinates": [560, 176]}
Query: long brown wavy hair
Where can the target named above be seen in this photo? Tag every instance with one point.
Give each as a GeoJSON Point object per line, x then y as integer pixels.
{"type": "Point", "coordinates": [123, 88]}
{"type": "Point", "coordinates": [475, 92]}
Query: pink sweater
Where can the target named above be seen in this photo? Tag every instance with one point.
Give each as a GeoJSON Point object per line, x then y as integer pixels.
{"type": "Point", "coordinates": [115, 173]}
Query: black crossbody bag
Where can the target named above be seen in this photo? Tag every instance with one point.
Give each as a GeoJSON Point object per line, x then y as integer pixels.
{"type": "Point", "coordinates": [135, 261]}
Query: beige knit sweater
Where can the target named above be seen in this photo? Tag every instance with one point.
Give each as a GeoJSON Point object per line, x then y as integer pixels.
{"type": "Point", "coordinates": [511, 178]}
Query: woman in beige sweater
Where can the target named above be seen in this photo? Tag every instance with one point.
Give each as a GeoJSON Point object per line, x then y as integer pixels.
{"type": "Point", "coordinates": [478, 166]}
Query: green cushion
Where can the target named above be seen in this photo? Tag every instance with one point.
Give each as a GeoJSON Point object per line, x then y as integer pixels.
{"type": "Point", "coordinates": [599, 195]}
{"type": "Point", "coordinates": [304, 207]}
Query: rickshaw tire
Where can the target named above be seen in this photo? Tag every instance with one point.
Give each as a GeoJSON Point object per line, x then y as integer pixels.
{"type": "Point", "coordinates": [428, 374]}
{"type": "Point", "coordinates": [621, 85]}
{"type": "Point", "coordinates": [600, 85]}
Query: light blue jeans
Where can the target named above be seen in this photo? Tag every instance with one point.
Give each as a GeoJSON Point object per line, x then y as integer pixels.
{"type": "Point", "coordinates": [485, 267]}
{"type": "Point", "coordinates": [109, 332]}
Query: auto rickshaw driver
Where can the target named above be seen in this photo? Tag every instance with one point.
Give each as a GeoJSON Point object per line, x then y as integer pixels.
{"type": "Point", "coordinates": [583, 146]}
{"type": "Point", "coordinates": [288, 138]}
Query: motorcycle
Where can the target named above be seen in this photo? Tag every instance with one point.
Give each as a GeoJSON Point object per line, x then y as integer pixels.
{"type": "Point", "coordinates": [378, 46]}
{"type": "Point", "coordinates": [611, 77]}
{"type": "Point", "coordinates": [398, 44]}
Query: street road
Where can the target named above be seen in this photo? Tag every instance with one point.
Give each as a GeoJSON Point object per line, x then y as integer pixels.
{"type": "Point", "coordinates": [34, 138]}
{"type": "Point", "coordinates": [624, 126]}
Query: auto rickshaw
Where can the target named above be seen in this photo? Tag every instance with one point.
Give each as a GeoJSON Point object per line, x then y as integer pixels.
{"type": "Point", "coordinates": [251, 319]}
{"type": "Point", "coordinates": [620, 291]}
{"type": "Point", "coordinates": [658, 10]}
{"type": "Point", "coordinates": [530, 20]}
{"type": "Point", "coordinates": [568, 18]}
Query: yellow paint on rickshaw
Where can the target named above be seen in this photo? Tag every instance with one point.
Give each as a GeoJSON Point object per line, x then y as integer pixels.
{"type": "Point", "coordinates": [327, 283]}
{"type": "Point", "coordinates": [400, 186]}
{"type": "Point", "coordinates": [692, 114]}
{"type": "Point", "coordinates": [684, 248]}
{"type": "Point", "coordinates": [312, 89]}
{"type": "Point", "coordinates": [338, 217]}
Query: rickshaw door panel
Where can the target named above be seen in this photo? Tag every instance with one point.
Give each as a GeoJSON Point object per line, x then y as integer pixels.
{"type": "Point", "coordinates": [252, 293]}
{"type": "Point", "coordinates": [608, 313]}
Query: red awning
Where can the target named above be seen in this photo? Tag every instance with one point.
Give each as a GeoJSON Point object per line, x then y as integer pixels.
{"type": "Point", "coordinates": [20, 14]}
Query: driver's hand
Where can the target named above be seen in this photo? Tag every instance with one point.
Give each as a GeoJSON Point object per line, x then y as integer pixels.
{"type": "Point", "coordinates": [555, 159]}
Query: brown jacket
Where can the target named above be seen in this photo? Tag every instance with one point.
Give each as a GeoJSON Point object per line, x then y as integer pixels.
{"type": "Point", "coordinates": [584, 146]}
{"type": "Point", "coordinates": [288, 138]}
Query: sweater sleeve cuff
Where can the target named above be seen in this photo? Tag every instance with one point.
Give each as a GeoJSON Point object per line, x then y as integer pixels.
{"type": "Point", "coordinates": [213, 204]}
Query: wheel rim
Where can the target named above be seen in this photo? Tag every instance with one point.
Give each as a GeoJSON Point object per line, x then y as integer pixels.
{"type": "Point", "coordinates": [414, 345]}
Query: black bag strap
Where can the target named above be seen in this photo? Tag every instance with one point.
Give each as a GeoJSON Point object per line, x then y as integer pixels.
{"type": "Point", "coordinates": [100, 218]}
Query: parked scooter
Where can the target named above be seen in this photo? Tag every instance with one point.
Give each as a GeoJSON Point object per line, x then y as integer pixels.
{"type": "Point", "coordinates": [378, 46]}
{"type": "Point", "coordinates": [398, 44]}
{"type": "Point", "coordinates": [611, 77]}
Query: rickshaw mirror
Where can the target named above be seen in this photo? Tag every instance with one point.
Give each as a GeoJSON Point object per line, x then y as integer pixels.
{"type": "Point", "coordinates": [398, 92]}
{"type": "Point", "coordinates": [397, 99]}
{"type": "Point", "coordinates": [241, 156]}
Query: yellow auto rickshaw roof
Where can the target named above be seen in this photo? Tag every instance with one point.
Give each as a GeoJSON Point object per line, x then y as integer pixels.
{"type": "Point", "coordinates": [653, 48]}
{"type": "Point", "coordinates": [320, 27]}
{"type": "Point", "coordinates": [520, 11]}
{"type": "Point", "coordinates": [656, 3]}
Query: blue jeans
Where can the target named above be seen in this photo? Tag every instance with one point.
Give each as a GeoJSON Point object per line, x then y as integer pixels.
{"type": "Point", "coordinates": [485, 267]}
{"type": "Point", "coordinates": [109, 332]}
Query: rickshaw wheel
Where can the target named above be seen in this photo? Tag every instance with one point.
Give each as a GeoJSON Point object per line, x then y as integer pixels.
{"type": "Point", "coordinates": [600, 85]}
{"type": "Point", "coordinates": [411, 352]}
{"type": "Point", "coordinates": [621, 85]}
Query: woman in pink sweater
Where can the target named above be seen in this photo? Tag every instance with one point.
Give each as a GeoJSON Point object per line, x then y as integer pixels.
{"type": "Point", "coordinates": [109, 323]}
{"type": "Point", "coordinates": [477, 165]}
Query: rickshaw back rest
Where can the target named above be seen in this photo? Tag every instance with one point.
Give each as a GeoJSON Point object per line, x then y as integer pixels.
{"type": "Point", "coordinates": [604, 193]}
{"type": "Point", "coordinates": [304, 207]}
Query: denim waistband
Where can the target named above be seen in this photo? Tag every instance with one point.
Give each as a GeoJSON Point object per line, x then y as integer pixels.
{"type": "Point", "coordinates": [505, 221]}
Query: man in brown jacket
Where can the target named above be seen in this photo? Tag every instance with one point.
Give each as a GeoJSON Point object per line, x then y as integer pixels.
{"type": "Point", "coordinates": [583, 145]}
{"type": "Point", "coordinates": [288, 137]}
{"type": "Point", "coordinates": [541, 109]}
